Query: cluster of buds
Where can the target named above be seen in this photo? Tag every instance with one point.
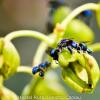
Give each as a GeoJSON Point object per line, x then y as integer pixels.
{"type": "Point", "coordinates": [79, 70]}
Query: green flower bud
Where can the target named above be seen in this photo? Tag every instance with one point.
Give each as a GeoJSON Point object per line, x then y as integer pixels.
{"type": "Point", "coordinates": [60, 14]}
{"type": "Point", "coordinates": [65, 58]}
{"type": "Point", "coordinates": [9, 58]}
{"type": "Point", "coordinates": [79, 71]}
{"type": "Point", "coordinates": [47, 87]}
{"type": "Point", "coordinates": [79, 31]}
{"type": "Point", "coordinates": [71, 79]}
{"type": "Point", "coordinates": [6, 94]}
{"type": "Point", "coordinates": [92, 68]}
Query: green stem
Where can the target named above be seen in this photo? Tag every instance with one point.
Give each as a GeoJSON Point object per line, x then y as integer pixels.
{"type": "Point", "coordinates": [95, 47]}
{"type": "Point", "coordinates": [29, 33]}
{"type": "Point", "coordinates": [25, 69]}
{"type": "Point", "coordinates": [77, 11]}
{"type": "Point", "coordinates": [41, 50]}
{"type": "Point", "coordinates": [39, 53]}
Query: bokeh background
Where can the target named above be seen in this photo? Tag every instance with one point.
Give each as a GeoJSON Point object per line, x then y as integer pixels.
{"type": "Point", "coordinates": [34, 15]}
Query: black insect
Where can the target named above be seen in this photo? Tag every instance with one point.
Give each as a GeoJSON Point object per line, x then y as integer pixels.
{"type": "Point", "coordinates": [87, 13]}
{"type": "Point", "coordinates": [70, 44]}
{"type": "Point", "coordinates": [41, 68]}
{"type": "Point", "coordinates": [84, 48]}
{"type": "Point", "coordinates": [54, 53]}
{"type": "Point", "coordinates": [86, 16]}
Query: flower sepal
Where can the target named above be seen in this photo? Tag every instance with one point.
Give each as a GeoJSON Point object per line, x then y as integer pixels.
{"type": "Point", "coordinates": [9, 58]}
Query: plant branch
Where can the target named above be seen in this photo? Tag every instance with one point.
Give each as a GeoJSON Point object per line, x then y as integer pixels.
{"type": "Point", "coordinates": [29, 33]}
{"type": "Point", "coordinates": [41, 50]}
{"type": "Point", "coordinates": [25, 69]}
{"type": "Point", "coordinates": [39, 53]}
{"type": "Point", "coordinates": [77, 11]}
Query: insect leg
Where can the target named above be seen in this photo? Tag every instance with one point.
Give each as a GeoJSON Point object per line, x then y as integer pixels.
{"type": "Point", "coordinates": [70, 49]}
{"type": "Point", "coordinates": [41, 73]}
{"type": "Point", "coordinates": [78, 49]}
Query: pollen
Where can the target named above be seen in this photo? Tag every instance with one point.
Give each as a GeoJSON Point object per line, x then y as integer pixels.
{"type": "Point", "coordinates": [58, 28]}
{"type": "Point", "coordinates": [90, 63]}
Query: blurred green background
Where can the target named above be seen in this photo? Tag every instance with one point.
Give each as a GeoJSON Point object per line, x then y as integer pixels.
{"type": "Point", "coordinates": [34, 15]}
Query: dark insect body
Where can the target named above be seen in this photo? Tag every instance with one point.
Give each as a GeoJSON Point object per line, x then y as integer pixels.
{"type": "Point", "coordinates": [41, 68]}
{"type": "Point", "coordinates": [87, 13]}
{"type": "Point", "coordinates": [70, 45]}
{"type": "Point", "coordinates": [54, 53]}
{"type": "Point", "coordinates": [86, 16]}
{"type": "Point", "coordinates": [84, 48]}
